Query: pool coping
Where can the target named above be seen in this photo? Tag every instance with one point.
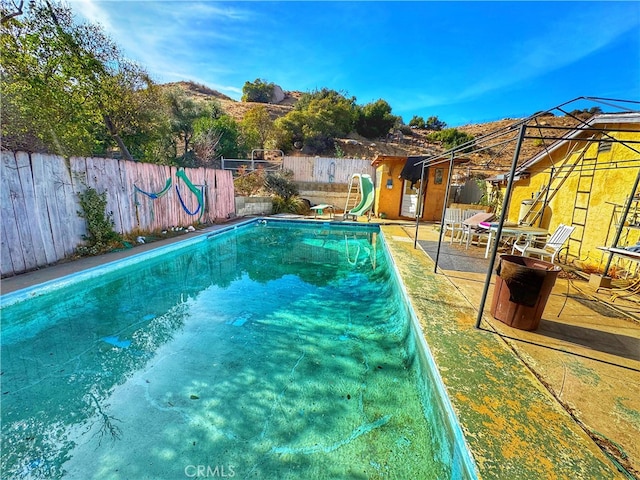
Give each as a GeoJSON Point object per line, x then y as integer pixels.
{"type": "Point", "coordinates": [98, 264]}
{"type": "Point", "coordinates": [513, 426]}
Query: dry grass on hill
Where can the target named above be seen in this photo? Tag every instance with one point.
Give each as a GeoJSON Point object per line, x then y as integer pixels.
{"type": "Point", "coordinates": [493, 161]}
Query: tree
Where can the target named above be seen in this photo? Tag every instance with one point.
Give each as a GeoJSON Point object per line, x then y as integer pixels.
{"type": "Point", "coordinates": [11, 11]}
{"type": "Point", "coordinates": [63, 83]}
{"type": "Point", "coordinates": [215, 138]}
{"type": "Point", "coordinates": [258, 91]}
{"type": "Point", "coordinates": [257, 128]}
{"type": "Point", "coordinates": [327, 112]}
{"type": "Point", "coordinates": [434, 123]}
{"type": "Point", "coordinates": [291, 126]}
{"type": "Point", "coordinates": [131, 108]}
{"type": "Point", "coordinates": [185, 111]}
{"type": "Point", "coordinates": [41, 103]}
{"type": "Point", "coordinates": [417, 122]}
{"type": "Point", "coordinates": [317, 118]}
{"type": "Point", "coordinates": [375, 119]}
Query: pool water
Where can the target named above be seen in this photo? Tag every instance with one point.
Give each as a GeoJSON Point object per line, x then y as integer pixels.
{"type": "Point", "coordinates": [274, 351]}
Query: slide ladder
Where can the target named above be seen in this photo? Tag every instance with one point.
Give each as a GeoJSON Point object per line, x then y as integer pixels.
{"type": "Point", "coordinates": [361, 187]}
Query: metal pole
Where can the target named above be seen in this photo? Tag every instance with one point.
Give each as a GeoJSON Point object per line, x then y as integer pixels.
{"type": "Point", "coordinates": [546, 197]}
{"type": "Point", "coordinates": [420, 205]}
{"type": "Point", "coordinates": [444, 211]}
{"type": "Point", "coordinates": [621, 223]}
{"type": "Point", "coordinates": [503, 214]}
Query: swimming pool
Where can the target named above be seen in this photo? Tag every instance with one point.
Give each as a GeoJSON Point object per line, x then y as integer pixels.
{"type": "Point", "coordinates": [275, 349]}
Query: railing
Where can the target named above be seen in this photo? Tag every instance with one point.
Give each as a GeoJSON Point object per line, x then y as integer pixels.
{"type": "Point", "coordinates": [254, 163]}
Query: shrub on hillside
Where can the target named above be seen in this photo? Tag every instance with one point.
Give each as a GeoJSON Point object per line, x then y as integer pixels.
{"type": "Point", "coordinates": [434, 123]}
{"type": "Point", "coordinates": [417, 122]}
{"type": "Point", "coordinates": [318, 144]}
{"type": "Point", "coordinates": [452, 138]}
{"type": "Point", "coordinates": [405, 130]}
{"type": "Point", "coordinates": [375, 119]}
{"type": "Point", "coordinates": [259, 91]}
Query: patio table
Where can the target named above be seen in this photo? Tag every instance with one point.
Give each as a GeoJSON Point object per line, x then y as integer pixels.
{"type": "Point", "coordinates": [511, 230]}
{"type": "Point", "coordinates": [318, 210]}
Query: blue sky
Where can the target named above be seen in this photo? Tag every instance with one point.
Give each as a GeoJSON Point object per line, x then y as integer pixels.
{"type": "Point", "coordinates": [464, 62]}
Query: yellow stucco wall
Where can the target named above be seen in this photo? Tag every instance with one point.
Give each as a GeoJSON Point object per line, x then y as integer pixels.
{"type": "Point", "coordinates": [388, 201]}
{"type": "Point", "coordinates": [613, 179]}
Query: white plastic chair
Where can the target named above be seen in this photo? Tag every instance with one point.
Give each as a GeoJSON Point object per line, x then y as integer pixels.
{"type": "Point", "coordinates": [550, 248]}
{"type": "Point", "coordinates": [453, 221]}
{"type": "Point", "coordinates": [466, 214]}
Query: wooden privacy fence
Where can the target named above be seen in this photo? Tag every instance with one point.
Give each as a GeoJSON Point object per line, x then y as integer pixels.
{"type": "Point", "coordinates": [39, 202]}
{"type": "Point", "coordinates": [327, 169]}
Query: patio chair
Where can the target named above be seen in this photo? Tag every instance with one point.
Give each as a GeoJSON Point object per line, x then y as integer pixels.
{"type": "Point", "coordinates": [471, 228]}
{"type": "Point", "coordinates": [453, 222]}
{"type": "Point", "coordinates": [466, 214]}
{"type": "Point", "coordinates": [550, 249]}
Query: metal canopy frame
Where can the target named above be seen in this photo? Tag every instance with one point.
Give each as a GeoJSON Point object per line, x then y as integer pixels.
{"type": "Point", "coordinates": [518, 132]}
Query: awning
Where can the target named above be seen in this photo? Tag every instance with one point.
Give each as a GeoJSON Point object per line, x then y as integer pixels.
{"type": "Point", "coordinates": [411, 171]}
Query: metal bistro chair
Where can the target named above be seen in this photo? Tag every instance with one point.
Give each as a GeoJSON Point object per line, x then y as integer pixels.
{"type": "Point", "coordinates": [550, 248]}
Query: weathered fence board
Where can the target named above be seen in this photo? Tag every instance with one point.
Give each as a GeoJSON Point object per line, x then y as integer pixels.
{"type": "Point", "coordinates": [36, 256]}
{"type": "Point", "coordinates": [20, 209]}
{"type": "Point", "coordinates": [39, 202]}
{"type": "Point", "coordinates": [19, 193]}
{"type": "Point", "coordinates": [224, 202]}
{"type": "Point", "coordinates": [40, 213]}
{"type": "Point", "coordinates": [126, 198]}
{"type": "Point", "coordinates": [5, 254]}
{"type": "Point", "coordinates": [11, 249]}
{"type": "Point", "coordinates": [68, 196]}
{"type": "Point", "coordinates": [326, 169]}
{"type": "Point", "coordinates": [65, 202]}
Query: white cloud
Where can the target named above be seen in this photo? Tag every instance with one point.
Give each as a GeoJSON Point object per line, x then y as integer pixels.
{"type": "Point", "coordinates": [172, 40]}
{"type": "Point", "coordinates": [92, 12]}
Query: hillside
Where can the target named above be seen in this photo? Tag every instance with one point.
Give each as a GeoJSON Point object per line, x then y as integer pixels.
{"type": "Point", "coordinates": [234, 108]}
{"type": "Point", "coordinates": [490, 162]}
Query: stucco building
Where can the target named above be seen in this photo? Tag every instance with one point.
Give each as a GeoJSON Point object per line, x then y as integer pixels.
{"type": "Point", "coordinates": [584, 179]}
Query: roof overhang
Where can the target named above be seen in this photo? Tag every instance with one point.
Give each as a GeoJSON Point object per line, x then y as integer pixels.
{"type": "Point", "coordinates": [600, 121]}
{"type": "Point", "coordinates": [504, 177]}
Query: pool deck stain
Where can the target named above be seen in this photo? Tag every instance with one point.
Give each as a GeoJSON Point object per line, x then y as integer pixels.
{"type": "Point", "coordinates": [525, 400]}
{"type": "Point", "coordinates": [513, 424]}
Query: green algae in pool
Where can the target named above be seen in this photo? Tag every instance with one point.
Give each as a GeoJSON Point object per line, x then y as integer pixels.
{"type": "Point", "coordinates": [266, 352]}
